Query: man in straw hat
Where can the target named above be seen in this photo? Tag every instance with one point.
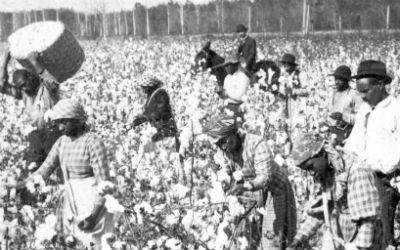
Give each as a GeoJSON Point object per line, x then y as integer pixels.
{"type": "Point", "coordinates": [39, 91]}
{"type": "Point", "coordinates": [375, 137]}
{"type": "Point", "coordinates": [157, 110]}
{"type": "Point", "coordinates": [236, 84]}
{"type": "Point", "coordinates": [82, 157]}
{"type": "Point", "coordinates": [254, 174]}
{"type": "Point", "coordinates": [349, 202]}
{"type": "Point", "coordinates": [343, 105]}
{"type": "Point", "coordinates": [247, 48]}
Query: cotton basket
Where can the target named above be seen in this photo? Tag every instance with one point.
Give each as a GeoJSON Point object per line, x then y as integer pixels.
{"type": "Point", "coordinates": [59, 52]}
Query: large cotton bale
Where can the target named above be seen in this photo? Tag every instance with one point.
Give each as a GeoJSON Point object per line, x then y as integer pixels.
{"type": "Point", "coordinates": [59, 51]}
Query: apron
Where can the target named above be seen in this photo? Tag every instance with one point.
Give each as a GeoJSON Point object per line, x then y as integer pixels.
{"type": "Point", "coordinates": [80, 195]}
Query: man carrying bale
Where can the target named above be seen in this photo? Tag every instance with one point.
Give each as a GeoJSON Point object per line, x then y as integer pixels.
{"type": "Point", "coordinates": [39, 91]}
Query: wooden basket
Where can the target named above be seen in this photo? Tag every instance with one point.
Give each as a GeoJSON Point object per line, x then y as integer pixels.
{"type": "Point", "coordinates": [59, 51]}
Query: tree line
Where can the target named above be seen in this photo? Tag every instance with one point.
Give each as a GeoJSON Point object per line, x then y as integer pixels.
{"type": "Point", "coordinates": [218, 17]}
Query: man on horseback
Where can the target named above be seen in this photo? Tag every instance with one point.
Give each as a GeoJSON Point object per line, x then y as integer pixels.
{"type": "Point", "coordinates": [247, 48]}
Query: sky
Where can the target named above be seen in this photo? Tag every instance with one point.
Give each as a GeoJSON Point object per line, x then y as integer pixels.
{"type": "Point", "coordinates": [88, 6]}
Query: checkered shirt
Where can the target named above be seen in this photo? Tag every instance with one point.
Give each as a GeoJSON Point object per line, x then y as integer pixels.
{"type": "Point", "coordinates": [359, 218]}
{"type": "Point", "coordinates": [83, 157]}
{"type": "Point", "coordinates": [257, 157]}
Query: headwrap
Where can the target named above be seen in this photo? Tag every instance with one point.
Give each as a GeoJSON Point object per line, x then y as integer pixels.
{"type": "Point", "coordinates": [67, 109]}
{"type": "Point", "coordinates": [306, 146]}
{"type": "Point", "coordinates": [149, 81]}
{"type": "Point", "coordinates": [222, 127]}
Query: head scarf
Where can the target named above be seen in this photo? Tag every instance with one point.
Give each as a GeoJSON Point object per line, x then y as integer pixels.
{"type": "Point", "coordinates": [306, 146]}
{"type": "Point", "coordinates": [67, 109]}
{"type": "Point", "coordinates": [149, 81]}
{"type": "Point", "coordinates": [222, 128]}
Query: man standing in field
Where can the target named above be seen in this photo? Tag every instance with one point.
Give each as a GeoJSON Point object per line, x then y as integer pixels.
{"type": "Point", "coordinates": [375, 138]}
{"type": "Point", "coordinates": [343, 105]}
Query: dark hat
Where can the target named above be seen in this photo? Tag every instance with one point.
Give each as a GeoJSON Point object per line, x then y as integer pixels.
{"type": "Point", "coordinates": [241, 28]}
{"type": "Point", "coordinates": [343, 72]}
{"type": "Point", "coordinates": [207, 46]}
{"type": "Point", "coordinates": [372, 68]}
{"type": "Point", "coordinates": [289, 59]}
{"type": "Point", "coordinates": [222, 127]}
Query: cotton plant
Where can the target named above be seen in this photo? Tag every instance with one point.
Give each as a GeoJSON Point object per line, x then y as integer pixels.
{"type": "Point", "coordinates": [146, 189]}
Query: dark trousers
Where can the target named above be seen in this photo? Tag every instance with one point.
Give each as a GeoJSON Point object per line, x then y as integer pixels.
{"type": "Point", "coordinates": [393, 198]}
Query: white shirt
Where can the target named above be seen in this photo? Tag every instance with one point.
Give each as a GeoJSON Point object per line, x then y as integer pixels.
{"type": "Point", "coordinates": [375, 137]}
{"type": "Point", "coordinates": [346, 102]}
{"type": "Point", "coordinates": [236, 85]}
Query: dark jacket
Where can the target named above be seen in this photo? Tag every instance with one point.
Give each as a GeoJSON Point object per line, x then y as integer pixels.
{"type": "Point", "coordinates": [248, 51]}
{"type": "Point", "coordinates": [158, 113]}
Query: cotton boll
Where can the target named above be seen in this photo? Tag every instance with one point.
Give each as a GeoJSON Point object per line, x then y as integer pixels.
{"type": "Point", "coordinates": [173, 244]}
{"type": "Point", "coordinates": [216, 194]}
{"type": "Point", "coordinates": [112, 205]}
{"type": "Point", "coordinates": [235, 208]}
{"type": "Point", "coordinates": [180, 191]}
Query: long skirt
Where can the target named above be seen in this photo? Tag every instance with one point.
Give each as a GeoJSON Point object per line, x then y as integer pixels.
{"type": "Point", "coordinates": [79, 202]}
{"type": "Point", "coordinates": [279, 220]}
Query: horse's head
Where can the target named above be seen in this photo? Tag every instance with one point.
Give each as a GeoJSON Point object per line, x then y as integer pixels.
{"type": "Point", "coordinates": [203, 58]}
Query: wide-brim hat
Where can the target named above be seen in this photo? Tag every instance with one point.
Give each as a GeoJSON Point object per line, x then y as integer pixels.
{"type": "Point", "coordinates": [373, 68]}
{"type": "Point", "coordinates": [288, 59]}
{"type": "Point", "coordinates": [229, 60]}
{"type": "Point", "coordinates": [221, 127]}
{"type": "Point", "coordinates": [306, 146]}
{"type": "Point", "coordinates": [343, 72]}
{"type": "Point", "coordinates": [241, 28]}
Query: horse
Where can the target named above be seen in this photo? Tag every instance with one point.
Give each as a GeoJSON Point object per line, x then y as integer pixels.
{"type": "Point", "coordinates": [207, 58]}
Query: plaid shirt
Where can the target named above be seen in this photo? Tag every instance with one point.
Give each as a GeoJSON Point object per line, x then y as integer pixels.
{"type": "Point", "coordinates": [83, 157]}
{"type": "Point", "coordinates": [356, 212]}
{"type": "Point", "coordinates": [257, 162]}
